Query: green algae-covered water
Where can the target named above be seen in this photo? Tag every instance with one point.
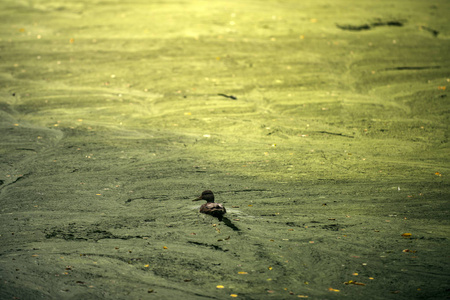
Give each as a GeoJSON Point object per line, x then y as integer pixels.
{"type": "Point", "coordinates": [322, 126]}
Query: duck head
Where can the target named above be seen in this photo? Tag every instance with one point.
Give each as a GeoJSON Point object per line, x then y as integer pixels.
{"type": "Point", "coordinates": [206, 195]}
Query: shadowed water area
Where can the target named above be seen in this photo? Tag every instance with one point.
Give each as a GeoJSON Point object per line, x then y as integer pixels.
{"type": "Point", "coordinates": [322, 126]}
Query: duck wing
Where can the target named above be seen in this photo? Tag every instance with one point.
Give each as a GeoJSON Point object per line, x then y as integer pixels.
{"type": "Point", "coordinates": [214, 207]}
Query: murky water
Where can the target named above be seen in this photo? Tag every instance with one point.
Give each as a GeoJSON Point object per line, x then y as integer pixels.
{"type": "Point", "coordinates": [321, 126]}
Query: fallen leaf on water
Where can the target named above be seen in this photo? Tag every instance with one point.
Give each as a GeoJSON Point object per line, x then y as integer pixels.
{"type": "Point", "coordinates": [438, 174]}
{"type": "Point", "coordinates": [233, 295]}
{"type": "Point", "coordinates": [410, 251]}
{"type": "Point", "coordinates": [242, 272]}
{"type": "Point", "coordinates": [165, 247]}
{"type": "Point", "coordinates": [407, 235]}
{"type": "Point", "coordinates": [220, 287]}
{"type": "Point", "coordinates": [302, 296]}
{"type": "Point", "coordinates": [354, 282]}
{"type": "Point", "coordinates": [333, 290]}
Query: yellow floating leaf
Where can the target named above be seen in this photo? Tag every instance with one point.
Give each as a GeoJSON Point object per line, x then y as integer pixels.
{"type": "Point", "coordinates": [164, 247]}
{"type": "Point", "coordinates": [146, 266]}
{"type": "Point", "coordinates": [71, 41]}
{"type": "Point", "coordinates": [302, 296]}
{"type": "Point", "coordinates": [333, 290]}
{"type": "Point", "coordinates": [242, 273]}
{"type": "Point", "coordinates": [354, 282]}
{"type": "Point", "coordinates": [438, 174]}
{"type": "Point", "coordinates": [410, 251]}
{"type": "Point", "coordinates": [355, 274]}
{"type": "Point", "coordinates": [233, 295]}
{"type": "Point", "coordinates": [407, 234]}
{"type": "Point", "coordinates": [270, 268]}
{"type": "Point", "coordinates": [220, 287]}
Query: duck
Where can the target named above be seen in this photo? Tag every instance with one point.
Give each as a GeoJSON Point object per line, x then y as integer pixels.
{"type": "Point", "coordinates": [210, 207]}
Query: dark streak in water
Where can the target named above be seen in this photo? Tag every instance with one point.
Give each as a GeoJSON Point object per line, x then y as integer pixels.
{"type": "Point", "coordinates": [412, 68]}
{"type": "Point", "coordinates": [370, 25]}
{"type": "Point", "coordinates": [228, 96]}
{"type": "Point", "coordinates": [354, 27]}
{"type": "Point", "coordinates": [16, 180]}
{"type": "Point", "coordinates": [139, 198]}
{"type": "Point", "coordinates": [336, 133]}
{"type": "Point", "coordinates": [434, 32]}
{"type": "Point", "coordinates": [215, 247]}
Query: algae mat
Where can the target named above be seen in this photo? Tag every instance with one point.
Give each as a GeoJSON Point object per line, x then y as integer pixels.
{"type": "Point", "coordinates": [321, 125]}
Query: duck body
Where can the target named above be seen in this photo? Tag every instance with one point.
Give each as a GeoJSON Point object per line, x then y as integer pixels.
{"type": "Point", "coordinates": [210, 207]}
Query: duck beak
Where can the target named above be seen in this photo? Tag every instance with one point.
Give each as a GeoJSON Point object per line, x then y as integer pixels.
{"type": "Point", "coordinates": [197, 199]}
